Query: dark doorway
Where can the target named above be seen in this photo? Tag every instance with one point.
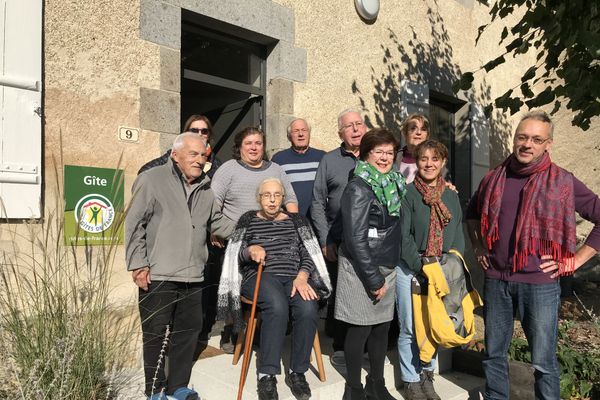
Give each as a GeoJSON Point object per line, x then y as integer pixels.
{"type": "Point", "coordinates": [444, 127]}
{"type": "Point", "coordinates": [222, 77]}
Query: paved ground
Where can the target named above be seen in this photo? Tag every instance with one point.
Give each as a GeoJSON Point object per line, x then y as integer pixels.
{"type": "Point", "coordinates": [215, 378]}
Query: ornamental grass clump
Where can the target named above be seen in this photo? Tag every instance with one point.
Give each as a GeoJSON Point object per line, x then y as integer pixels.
{"type": "Point", "coordinates": [60, 336]}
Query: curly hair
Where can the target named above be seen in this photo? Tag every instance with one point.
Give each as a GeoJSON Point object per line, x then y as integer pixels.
{"type": "Point", "coordinates": [438, 148]}
{"type": "Point", "coordinates": [239, 139]}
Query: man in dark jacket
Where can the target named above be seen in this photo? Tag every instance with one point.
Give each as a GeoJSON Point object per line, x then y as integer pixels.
{"type": "Point", "coordinates": [166, 227]}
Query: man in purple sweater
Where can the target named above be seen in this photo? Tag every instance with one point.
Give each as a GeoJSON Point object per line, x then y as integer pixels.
{"type": "Point", "coordinates": [522, 226]}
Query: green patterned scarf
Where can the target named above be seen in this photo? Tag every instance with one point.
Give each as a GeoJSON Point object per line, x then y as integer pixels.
{"type": "Point", "coordinates": [389, 188]}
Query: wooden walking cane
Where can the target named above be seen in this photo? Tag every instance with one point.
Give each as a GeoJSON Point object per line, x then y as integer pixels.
{"type": "Point", "coordinates": [249, 334]}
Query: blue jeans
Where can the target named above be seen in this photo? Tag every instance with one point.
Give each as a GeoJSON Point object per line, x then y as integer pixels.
{"type": "Point", "coordinates": [408, 351]}
{"type": "Point", "coordinates": [537, 306]}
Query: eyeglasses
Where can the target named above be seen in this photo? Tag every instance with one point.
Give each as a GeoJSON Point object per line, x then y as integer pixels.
{"type": "Point", "coordinates": [538, 141]}
{"type": "Point", "coordinates": [380, 153]}
{"type": "Point", "coordinates": [356, 125]}
{"type": "Point", "coordinates": [270, 196]}
{"type": "Point", "coordinates": [203, 131]}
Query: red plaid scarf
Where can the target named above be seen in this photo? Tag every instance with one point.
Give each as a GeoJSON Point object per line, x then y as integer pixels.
{"type": "Point", "coordinates": [439, 215]}
{"type": "Point", "coordinates": [546, 219]}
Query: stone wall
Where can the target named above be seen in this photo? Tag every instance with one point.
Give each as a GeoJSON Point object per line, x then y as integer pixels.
{"type": "Point", "coordinates": [117, 63]}
{"type": "Point", "coordinates": [95, 66]}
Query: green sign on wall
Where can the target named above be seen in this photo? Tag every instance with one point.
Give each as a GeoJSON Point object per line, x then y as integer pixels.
{"type": "Point", "coordinates": [93, 205]}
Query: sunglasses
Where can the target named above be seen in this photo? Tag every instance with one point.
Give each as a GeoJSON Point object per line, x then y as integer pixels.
{"type": "Point", "coordinates": [203, 131]}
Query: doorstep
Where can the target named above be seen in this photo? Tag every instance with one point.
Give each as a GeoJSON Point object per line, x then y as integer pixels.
{"type": "Point", "coordinates": [215, 378]}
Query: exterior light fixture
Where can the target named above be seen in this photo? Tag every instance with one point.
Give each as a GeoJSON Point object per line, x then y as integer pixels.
{"type": "Point", "coordinates": [367, 9]}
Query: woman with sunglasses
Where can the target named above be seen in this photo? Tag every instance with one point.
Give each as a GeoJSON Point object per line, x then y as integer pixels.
{"type": "Point", "coordinates": [197, 124]}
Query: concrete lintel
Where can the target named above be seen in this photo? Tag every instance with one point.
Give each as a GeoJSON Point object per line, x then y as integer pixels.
{"type": "Point", "coordinates": [160, 23]}
{"type": "Point", "coordinates": [160, 110]}
{"type": "Point", "coordinates": [261, 16]}
{"type": "Point", "coordinates": [287, 62]}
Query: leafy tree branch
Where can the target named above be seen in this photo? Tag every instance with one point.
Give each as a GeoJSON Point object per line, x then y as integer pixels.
{"type": "Point", "coordinates": [565, 37]}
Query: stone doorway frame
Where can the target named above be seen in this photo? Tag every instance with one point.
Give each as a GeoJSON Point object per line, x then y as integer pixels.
{"type": "Point", "coordinates": [160, 23]}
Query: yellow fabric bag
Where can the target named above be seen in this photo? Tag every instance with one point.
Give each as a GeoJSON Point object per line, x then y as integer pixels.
{"type": "Point", "coordinates": [433, 326]}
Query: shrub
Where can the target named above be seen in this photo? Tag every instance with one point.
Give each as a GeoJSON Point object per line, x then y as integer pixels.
{"type": "Point", "coordinates": [60, 337]}
{"type": "Point", "coordinates": [580, 371]}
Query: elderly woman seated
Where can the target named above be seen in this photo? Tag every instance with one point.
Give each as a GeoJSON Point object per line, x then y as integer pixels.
{"type": "Point", "coordinates": [294, 278]}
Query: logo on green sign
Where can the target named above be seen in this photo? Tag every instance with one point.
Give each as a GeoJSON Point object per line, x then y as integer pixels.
{"type": "Point", "coordinates": [94, 213]}
{"type": "Point", "coordinates": [94, 206]}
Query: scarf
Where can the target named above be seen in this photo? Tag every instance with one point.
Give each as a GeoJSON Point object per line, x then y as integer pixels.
{"type": "Point", "coordinates": [546, 218]}
{"type": "Point", "coordinates": [229, 306]}
{"type": "Point", "coordinates": [389, 188]}
{"type": "Point", "coordinates": [439, 215]}
{"type": "Point", "coordinates": [407, 157]}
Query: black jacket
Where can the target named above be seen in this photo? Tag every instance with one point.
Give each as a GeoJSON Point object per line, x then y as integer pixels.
{"type": "Point", "coordinates": [361, 212]}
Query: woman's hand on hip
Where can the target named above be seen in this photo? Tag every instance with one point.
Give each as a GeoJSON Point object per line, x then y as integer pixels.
{"type": "Point", "coordinates": [300, 285]}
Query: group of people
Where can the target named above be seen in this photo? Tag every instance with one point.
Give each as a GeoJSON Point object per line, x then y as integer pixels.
{"type": "Point", "coordinates": [363, 230]}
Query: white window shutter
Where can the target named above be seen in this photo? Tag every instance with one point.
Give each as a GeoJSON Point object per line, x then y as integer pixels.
{"type": "Point", "coordinates": [414, 97]}
{"type": "Point", "coordinates": [480, 144]}
{"type": "Point", "coordinates": [20, 113]}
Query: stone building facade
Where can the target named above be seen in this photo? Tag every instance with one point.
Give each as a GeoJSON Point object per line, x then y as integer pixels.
{"type": "Point", "coordinates": [148, 64]}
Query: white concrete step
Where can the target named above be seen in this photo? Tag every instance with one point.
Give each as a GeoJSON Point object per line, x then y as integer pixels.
{"type": "Point", "coordinates": [216, 378]}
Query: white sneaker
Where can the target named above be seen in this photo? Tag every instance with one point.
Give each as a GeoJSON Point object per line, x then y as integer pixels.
{"type": "Point", "coordinates": [338, 359]}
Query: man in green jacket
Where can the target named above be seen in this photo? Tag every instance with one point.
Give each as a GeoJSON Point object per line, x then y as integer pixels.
{"type": "Point", "coordinates": [166, 227]}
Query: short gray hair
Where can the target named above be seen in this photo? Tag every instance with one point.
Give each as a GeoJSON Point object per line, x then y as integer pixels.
{"type": "Point", "coordinates": [289, 127]}
{"type": "Point", "coordinates": [539, 115]}
{"type": "Point", "coordinates": [179, 139]}
{"type": "Point", "coordinates": [348, 111]}
{"type": "Point", "coordinates": [264, 182]}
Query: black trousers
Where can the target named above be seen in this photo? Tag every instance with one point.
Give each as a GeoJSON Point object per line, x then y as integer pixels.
{"type": "Point", "coordinates": [376, 339]}
{"type": "Point", "coordinates": [179, 306]}
{"type": "Point", "coordinates": [275, 304]}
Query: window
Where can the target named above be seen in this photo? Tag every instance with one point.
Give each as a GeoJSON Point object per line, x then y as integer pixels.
{"type": "Point", "coordinates": [20, 109]}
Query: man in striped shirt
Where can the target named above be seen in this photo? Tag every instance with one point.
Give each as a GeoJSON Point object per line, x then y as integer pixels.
{"type": "Point", "coordinates": [300, 162]}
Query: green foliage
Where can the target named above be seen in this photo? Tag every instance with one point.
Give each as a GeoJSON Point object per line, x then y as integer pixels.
{"type": "Point", "coordinates": [519, 350]}
{"type": "Point", "coordinates": [565, 37]}
{"type": "Point", "coordinates": [580, 372]}
{"type": "Point", "coordinates": [60, 337]}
